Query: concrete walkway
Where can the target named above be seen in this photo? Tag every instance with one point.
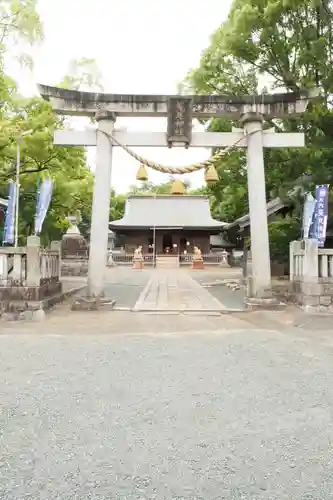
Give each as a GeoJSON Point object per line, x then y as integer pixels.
{"type": "Point", "coordinates": [168, 290]}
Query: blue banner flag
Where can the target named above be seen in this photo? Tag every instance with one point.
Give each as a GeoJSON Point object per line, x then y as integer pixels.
{"type": "Point", "coordinates": [308, 211]}
{"type": "Point", "coordinates": [44, 195]}
{"type": "Point", "coordinates": [9, 229]}
{"type": "Point", "coordinates": [320, 217]}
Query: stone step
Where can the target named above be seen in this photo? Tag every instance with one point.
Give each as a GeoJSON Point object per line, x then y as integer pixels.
{"type": "Point", "coordinates": [170, 262]}
{"type": "Point", "coordinates": [167, 266]}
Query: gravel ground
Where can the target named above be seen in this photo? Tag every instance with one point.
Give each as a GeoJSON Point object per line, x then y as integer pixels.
{"type": "Point", "coordinates": [236, 414]}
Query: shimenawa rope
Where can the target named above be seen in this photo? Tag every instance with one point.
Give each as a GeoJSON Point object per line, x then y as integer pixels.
{"type": "Point", "coordinates": [179, 170]}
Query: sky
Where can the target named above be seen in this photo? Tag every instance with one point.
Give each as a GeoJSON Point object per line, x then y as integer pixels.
{"type": "Point", "coordinates": [141, 47]}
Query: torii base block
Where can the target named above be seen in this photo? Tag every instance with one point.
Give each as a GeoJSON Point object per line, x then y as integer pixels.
{"type": "Point", "coordinates": [265, 301]}
{"type": "Point", "coordinates": [93, 304]}
{"type": "Point", "coordinates": [269, 304]}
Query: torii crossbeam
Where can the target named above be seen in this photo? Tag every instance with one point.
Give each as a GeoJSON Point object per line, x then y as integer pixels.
{"type": "Point", "coordinates": [251, 110]}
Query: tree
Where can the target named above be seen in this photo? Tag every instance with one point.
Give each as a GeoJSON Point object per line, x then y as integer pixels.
{"type": "Point", "coordinates": [39, 158]}
{"type": "Point", "coordinates": [287, 43]}
{"type": "Point", "coordinates": [149, 188]}
{"type": "Point", "coordinates": [83, 74]}
{"type": "Point", "coordinates": [291, 40]}
{"type": "Point", "coordinates": [281, 232]}
{"type": "Point", "coordinates": [20, 28]}
{"type": "Point", "coordinates": [117, 205]}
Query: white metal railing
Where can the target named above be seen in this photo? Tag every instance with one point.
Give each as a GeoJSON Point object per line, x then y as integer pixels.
{"type": "Point", "coordinates": [208, 258]}
{"type": "Point", "coordinates": [127, 258]}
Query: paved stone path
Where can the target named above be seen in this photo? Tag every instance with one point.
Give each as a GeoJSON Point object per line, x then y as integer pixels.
{"type": "Point", "coordinates": [168, 290]}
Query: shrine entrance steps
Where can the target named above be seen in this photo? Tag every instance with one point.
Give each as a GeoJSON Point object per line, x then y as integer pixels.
{"type": "Point", "coordinates": [167, 261]}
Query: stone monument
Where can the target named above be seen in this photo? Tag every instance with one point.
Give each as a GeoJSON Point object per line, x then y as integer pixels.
{"type": "Point", "coordinates": [74, 251]}
{"type": "Point", "coordinates": [138, 260]}
{"type": "Point", "coordinates": [73, 245]}
{"type": "Point", "coordinates": [197, 260]}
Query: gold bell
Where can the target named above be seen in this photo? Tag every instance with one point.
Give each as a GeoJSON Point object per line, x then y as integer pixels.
{"type": "Point", "coordinates": [178, 187]}
{"type": "Point", "coordinates": [142, 174]}
{"type": "Point", "coordinates": [211, 176]}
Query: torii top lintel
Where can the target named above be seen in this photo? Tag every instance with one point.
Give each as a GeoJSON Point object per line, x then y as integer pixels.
{"type": "Point", "coordinates": [74, 102]}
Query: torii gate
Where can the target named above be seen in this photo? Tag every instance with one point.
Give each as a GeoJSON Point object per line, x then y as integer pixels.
{"type": "Point", "coordinates": [251, 110]}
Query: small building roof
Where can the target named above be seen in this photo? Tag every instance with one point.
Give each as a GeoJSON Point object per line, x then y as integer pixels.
{"type": "Point", "coordinates": [272, 208]}
{"type": "Point", "coordinates": [274, 205]}
{"type": "Point", "coordinates": [167, 211]}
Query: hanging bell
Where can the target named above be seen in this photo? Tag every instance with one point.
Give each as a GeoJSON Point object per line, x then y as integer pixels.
{"type": "Point", "coordinates": [211, 176]}
{"type": "Point", "coordinates": [142, 174]}
{"type": "Point", "coordinates": [178, 187]}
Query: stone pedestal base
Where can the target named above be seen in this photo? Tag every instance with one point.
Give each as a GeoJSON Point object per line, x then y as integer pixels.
{"type": "Point", "coordinates": [138, 264]}
{"type": "Point", "coordinates": [74, 267]}
{"type": "Point", "coordinates": [267, 303]}
{"type": "Point", "coordinates": [93, 304]}
{"type": "Point", "coordinates": [197, 264]}
{"type": "Point", "coordinates": [110, 262]}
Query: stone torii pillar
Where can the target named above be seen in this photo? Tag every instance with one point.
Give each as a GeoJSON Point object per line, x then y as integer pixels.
{"type": "Point", "coordinates": [261, 265]}
{"type": "Point", "coordinates": [100, 205]}
{"type": "Point", "coordinates": [251, 110]}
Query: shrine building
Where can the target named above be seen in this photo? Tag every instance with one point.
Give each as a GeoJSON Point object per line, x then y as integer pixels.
{"type": "Point", "coordinates": [170, 224]}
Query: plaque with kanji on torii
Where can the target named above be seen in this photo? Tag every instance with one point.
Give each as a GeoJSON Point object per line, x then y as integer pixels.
{"type": "Point", "coordinates": [179, 121]}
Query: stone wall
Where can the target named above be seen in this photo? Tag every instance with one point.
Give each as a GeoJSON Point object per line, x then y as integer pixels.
{"type": "Point", "coordinates": [30, 278]}
{"type": "Point", "coordinates": [313, 297]}
{"type": "Point", "coordinates": [310, 277]}
{"type": "Point", "coordinates": [74, 267]}
{"type": "Point", "coordinates": [29, 293]}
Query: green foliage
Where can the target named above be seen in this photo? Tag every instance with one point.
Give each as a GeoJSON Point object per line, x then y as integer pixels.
{"type": "Point", "coordinates": [281, 232]}
{"type": "Point", "coordinates": [117, 205]}
{"type": "Point", "coordinates": [83, 74]}
{"type": "Point", "coordinates": [73, 182]}
{"type": "Point", "coordinates": [20, 27]}
{"type": "Point", "coordinates": [286, 45]}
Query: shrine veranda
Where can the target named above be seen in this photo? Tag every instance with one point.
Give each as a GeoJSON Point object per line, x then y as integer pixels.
{"type": "Point", "coordinates": [251, 111]}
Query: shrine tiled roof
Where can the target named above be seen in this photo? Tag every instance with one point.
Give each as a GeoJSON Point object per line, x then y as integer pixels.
{"type": "Point", "coordinates": [274, 205]}
{"type": "Point", "coordinates": [167, 211]}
